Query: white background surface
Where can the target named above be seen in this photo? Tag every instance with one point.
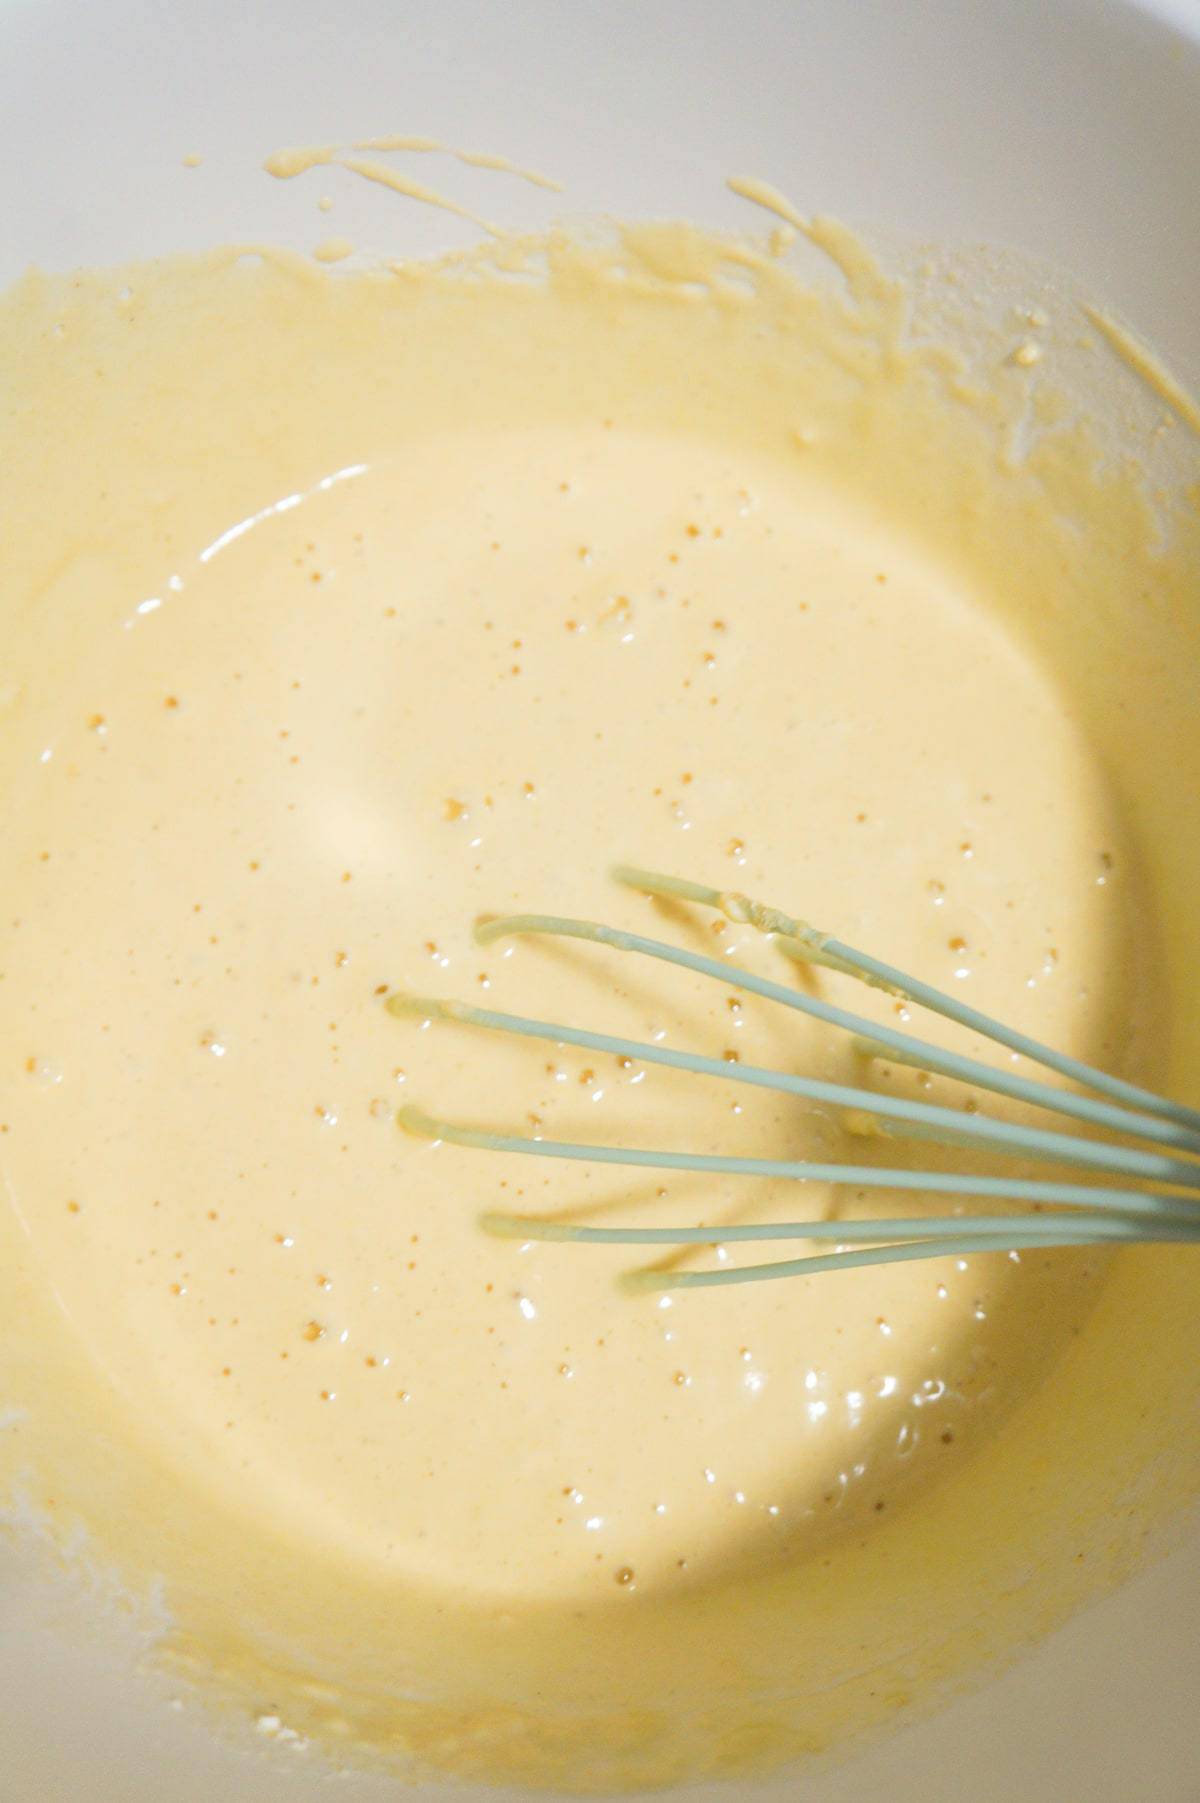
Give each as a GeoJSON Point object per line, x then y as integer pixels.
{"type": "Point", "coordinates": [1069, 127]}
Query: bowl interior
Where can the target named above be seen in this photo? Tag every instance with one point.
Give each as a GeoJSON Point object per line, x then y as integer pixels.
{"type": "Point", "coordinates": [1072, 132]}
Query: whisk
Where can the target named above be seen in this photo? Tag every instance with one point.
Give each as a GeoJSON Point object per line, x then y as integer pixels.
{"type": "Point", "coordinates": [1159, 1197]}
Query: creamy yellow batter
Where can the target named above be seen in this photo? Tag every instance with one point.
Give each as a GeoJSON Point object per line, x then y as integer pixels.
{"type": "Point", "coordinates": [429, 592]}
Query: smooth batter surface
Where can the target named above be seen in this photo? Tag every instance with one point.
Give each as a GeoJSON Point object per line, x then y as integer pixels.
{"type": "Point", "coordinates": [434, 594]}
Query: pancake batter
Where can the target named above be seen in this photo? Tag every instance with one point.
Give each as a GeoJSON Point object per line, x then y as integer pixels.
{"type": "Point", "coordinates": [432, 596]}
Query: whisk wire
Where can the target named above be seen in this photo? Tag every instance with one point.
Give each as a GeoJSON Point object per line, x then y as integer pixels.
{"type": "Point", "coordinates": [859, 1176]}
{"type": "Point", "coordinates": [917, 1117]}
{"type": "Point", "coordinates": [799, 940]}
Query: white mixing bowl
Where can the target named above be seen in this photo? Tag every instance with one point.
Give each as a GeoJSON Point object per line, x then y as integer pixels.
{"type": "Point", "coordinates": [1070, 128]}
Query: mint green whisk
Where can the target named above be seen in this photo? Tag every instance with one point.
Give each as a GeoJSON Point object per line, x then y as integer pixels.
{"type": "Point", "coordinates": [1159, 1195]}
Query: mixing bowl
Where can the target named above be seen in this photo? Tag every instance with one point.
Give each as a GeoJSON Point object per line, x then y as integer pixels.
{"type": "Point", "coordinates": [1071, 131]}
